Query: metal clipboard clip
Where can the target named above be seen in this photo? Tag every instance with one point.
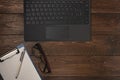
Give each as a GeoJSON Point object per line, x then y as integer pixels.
{"type": "Point", "coordinates": [18, 51]}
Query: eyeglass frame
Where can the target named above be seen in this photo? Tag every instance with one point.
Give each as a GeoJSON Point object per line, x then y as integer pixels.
{"type": "Point", "coordinates": [38, 47]}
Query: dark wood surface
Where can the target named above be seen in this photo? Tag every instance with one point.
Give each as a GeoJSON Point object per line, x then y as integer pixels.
{"type": "Point", "coordinates": [97, 59]}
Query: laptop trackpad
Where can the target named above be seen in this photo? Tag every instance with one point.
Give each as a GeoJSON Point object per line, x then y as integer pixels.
{"type": "Point", "coordinates": [57, 33]}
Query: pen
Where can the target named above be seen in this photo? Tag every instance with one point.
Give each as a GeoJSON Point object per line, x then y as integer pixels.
{"type": "Point", "coordinates": [21, 60]}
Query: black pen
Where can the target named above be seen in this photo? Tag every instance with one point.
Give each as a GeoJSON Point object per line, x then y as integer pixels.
{"type": "Point", "coordinates": [21, 60]}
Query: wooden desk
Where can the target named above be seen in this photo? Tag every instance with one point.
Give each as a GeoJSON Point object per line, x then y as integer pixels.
{"type": "Point", "coordinates": [72, 60]}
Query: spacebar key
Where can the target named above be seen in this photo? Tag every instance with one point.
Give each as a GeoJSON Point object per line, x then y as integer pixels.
{"type": "Point", "coordinates": [53, 22]}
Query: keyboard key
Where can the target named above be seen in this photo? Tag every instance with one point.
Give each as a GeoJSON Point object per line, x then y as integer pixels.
{"type": "Point", "coordinates": [57, 11]}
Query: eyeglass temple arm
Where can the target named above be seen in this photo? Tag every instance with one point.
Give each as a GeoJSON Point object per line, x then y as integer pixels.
{"type": "Point", "coordinates": [39, 47]}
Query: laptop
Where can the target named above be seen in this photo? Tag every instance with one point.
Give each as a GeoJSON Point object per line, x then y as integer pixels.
{"type": "Point", "coordinates": [57, 20]}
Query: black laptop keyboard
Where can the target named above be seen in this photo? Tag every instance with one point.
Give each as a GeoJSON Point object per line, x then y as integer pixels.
{"type": "Point", "coordinates": [57, 12]}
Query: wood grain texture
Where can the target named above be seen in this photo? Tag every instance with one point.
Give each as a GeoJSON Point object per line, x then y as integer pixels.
{"type": "Point", "coordinates": [91, 60]}
{"type": "Point", "coordinates": [81, 78]}
{"type": "Point", "coordinates": [11, 24]}
{"type": "Point", "coordinates": [100, 45]}
{"type": "Point", "coordinates": [92, 66]}
{"type": "Point", "coordinates": [11, 1]}
{"type": "Point", "coordinates": [105, 24]}
{"type": "Point", "coordinates": [9, 42]}
{"type": "Point", "coordinates": [84, 66]}
{"type": "Point", "coordinates": [105, 6]}
{"type": "Point", "coordinates": [11, 8]}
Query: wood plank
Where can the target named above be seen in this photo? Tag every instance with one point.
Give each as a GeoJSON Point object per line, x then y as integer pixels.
{"type": "Point", "coordinates": [84, 66]}
{"type": "Point", "coordinates": [11, 8]}
{"type": "Point", "coordinates": [72, 60]}
{"type": "Point", "coordinates": [100, 45]}
{"type": "Point", "coordinates": [11, 24]}
{"type": "Point", "coordinates": [105, 6]}
{"type": "Point", "coordinates": [81, 78]}
{"type": "Point", "coordinates": [97, 6]}
{"type": "Point", "coordinates": [92, 66]}
{"type": "Point", "coordinates": [105, 23]}
{"type": "Point", "coordinates": [102, 24]}
{"type": "Point", "coordinates": [9, 42]}
{"type": "Point", "coordinates": [11, 1]}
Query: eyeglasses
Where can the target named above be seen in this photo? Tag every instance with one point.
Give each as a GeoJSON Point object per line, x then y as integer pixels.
{"type": "Point", "coordinates": [40, 58]}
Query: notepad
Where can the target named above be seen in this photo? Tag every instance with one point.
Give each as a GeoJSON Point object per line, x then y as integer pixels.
{"type": "Point", "coordinates": [10, 66]}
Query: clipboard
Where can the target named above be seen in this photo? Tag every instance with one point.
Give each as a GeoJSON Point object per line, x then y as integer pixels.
{"type": "Point", "coordinates": [17, 65]}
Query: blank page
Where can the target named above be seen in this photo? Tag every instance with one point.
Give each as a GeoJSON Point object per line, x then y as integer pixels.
{"type": "Point", "coordinates": [9, 68]}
